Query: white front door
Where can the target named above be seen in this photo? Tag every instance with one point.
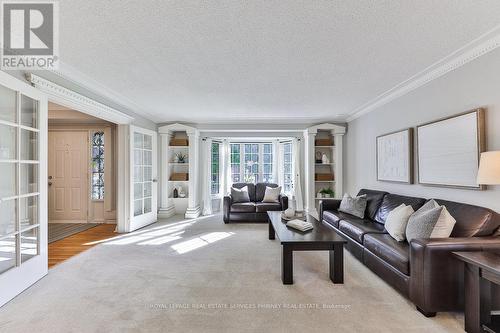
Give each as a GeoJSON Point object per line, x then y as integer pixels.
{"type": "Point", "coordinates": [68, 176]}
{"type": "Point", "coordinates": [23, 186]}
{"type": "Point", "coordinates": [143, 174]}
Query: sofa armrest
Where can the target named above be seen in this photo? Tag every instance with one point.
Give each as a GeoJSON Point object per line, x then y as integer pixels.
{"type": "Point", "coordinates": [325, 205]}
{"type": "Point", "coordinates": [283, 201]}
{"type": "Point", "coordinates": [226, 208]}
{"type": "Point", "coordinates": [436, 282]}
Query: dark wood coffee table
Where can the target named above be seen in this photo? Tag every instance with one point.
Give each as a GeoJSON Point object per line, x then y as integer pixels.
{"type": "Point", "coordinates": [320, 238]}
{"type": "Point", "coordinates": [482, 268]}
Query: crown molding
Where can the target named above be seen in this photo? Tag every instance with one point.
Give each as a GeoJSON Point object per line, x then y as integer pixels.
{"type": "Point", "coordinates": [71, 74]}
{"type": "Point", "coordinates": [75, 101]}
{"type": "Point", "coordinates": [471, 51]}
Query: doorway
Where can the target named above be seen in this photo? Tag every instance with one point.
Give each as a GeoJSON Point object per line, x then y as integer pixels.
{"type": "Point", "coordinates": [81, 178]}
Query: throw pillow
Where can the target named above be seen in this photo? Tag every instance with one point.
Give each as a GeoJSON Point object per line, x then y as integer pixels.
{"type": "Point", "coordinates": [430, 221]}
{"type": "Point", "coordinates": [397, 220]}
{"type": "Point", "coordinates": [272, 194]}
{"type": "Point", "coordinates": [354, 206]}
{"type": "Point", "coordinates": [240, 194]}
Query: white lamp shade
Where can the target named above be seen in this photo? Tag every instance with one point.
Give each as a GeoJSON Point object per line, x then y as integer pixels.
{"type": "Point", "coordinates": [489, 168]}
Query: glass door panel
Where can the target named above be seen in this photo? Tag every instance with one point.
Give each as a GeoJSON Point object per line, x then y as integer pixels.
{"type": "Point", "coordinates": [23, 194]}
{"type": "Point", "coordinates": [143, 152]}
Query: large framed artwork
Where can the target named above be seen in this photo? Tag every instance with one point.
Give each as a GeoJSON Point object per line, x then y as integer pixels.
{"type": "Point", "coordinates": [395, 157]}
{"type": "Point", "coordinates": [449, 149]}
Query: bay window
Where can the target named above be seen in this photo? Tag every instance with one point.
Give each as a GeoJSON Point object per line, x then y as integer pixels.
{"type": "Point", "coordinates": [251, 162]}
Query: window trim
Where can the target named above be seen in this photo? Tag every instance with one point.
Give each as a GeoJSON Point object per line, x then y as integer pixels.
{"type": "Point", "coordinates": [212, 171]}
{"type": "Point", "coordinates": [292, 168]}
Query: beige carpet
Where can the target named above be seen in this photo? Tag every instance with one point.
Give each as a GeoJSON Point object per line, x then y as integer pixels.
{"type": "Point", "coordinates": [204, 276]}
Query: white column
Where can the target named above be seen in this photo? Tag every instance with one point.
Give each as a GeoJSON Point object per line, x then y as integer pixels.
{"type": "Point", "coordinates": [339, 167]}
{"type": "Point", "coordinates": [123, 179]}
{"type": "Point", "coordinates": [193, 210]}
{"type": "Point", "coordinates": [167, 208]}
{"type": "Point", "coordinates": [309, 138]}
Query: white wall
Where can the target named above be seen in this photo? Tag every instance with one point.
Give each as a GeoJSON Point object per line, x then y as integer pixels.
{"type": "Point", "coordinates": [477, 84]}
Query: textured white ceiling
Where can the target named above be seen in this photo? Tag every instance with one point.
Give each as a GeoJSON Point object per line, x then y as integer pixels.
{"type": "Point", "coordinates": [276, 61]}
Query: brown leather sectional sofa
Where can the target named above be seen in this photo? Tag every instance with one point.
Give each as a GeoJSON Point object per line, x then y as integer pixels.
{"type": "Point", "coordinates": [425, 271]}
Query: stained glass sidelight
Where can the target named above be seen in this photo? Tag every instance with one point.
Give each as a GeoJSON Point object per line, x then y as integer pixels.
{"type": "Point", "coordinates": [98, 166]}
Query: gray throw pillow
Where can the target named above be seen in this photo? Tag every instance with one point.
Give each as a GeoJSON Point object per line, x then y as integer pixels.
{"type": "Point", "coordinates": [354, 206]}
{"type": "Point", "coordinates": [240, 194]}
{"type": "Point", "coordinates": [430, 221]}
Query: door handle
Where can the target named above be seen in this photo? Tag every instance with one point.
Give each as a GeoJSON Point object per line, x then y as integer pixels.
{"type": "Point", "coordinates": [50, 177]}
{"type": "Point", "coordinates": [50, 183]}
{"type": "Point", "coordinates": [155, 181]}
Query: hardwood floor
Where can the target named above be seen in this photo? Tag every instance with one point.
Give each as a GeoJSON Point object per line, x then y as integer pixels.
{"type": "Point", "coordinates": [68, 247]}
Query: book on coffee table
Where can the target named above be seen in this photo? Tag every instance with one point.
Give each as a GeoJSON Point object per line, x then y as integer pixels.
{"type": "Point", "coordinates": [299, 225]}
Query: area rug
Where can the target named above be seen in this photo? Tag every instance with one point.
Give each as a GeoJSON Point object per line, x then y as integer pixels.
{"type": "Point", "coordinates": [58, 231]}
{"type": "Point", "coordinates": [206, 276]}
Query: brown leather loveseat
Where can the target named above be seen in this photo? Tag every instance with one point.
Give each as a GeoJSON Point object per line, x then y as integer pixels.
{"type": "Point", "coordinates": [255, 210]}
{"type": "Point", "coordinates": [425, 271]}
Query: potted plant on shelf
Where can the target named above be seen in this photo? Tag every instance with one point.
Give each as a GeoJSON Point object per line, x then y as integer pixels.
{"type": "Point", "coordinates": [327, 193]}
{"type": "Point", "coordinates": [180, 157]}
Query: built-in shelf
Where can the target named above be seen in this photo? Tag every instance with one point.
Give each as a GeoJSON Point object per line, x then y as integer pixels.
{"type": "Point", "coordinates": [173, 163]}
{"type": "Point", "coordinates": [326, 164]}
{"type": "Point", "coordinates": [324, 181]}
{"type": "Point", "coordinates": [326, 198]}
{"type": "Point", "coordinates": [178, 181]}
{"type": "Point", "coordinates": [178, 147]}
{"type": "Point", "coordinates": [185, 198]}
{"type": "Point", "coordinates": [324, 146]}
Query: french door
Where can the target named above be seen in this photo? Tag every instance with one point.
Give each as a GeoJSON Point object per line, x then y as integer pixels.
{"type": "Point", "coordinates": [23, 186]}
{"type": "Point", "coordinates": [143, 174]}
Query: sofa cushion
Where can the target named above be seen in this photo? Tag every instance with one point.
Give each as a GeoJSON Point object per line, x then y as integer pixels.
{"type": "Point", "coordinates": [260, 190]}
{"type": "Point", "coordinates": [263, 207]}
{"type": "Point", "coordinates": [472, 221]}
{"type": "Point", "coordinates": [395, 253]}
{"type": "Point", "coordinates": [391, 201]}
{"type": "Point", "coordinates": [243, 207]}
{"type": "Point", "coordinates": [332, 217]}
{"type": "Point", "coordinates": [373, 201]}
{"type": "Point", "coordinates": [251, 189]}
{"type": "Point", "coordinates": [356, 228]}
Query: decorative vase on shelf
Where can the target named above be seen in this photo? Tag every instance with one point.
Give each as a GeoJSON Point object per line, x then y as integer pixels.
{"type": "Point", "coordinates": [318, 157]}
{"type": "Point", "coordinates": [325, 159]}
{"type": "Point", "coordinates": [176, 193]}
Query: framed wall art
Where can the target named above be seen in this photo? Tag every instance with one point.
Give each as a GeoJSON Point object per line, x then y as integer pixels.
{"type": "Point", "coordinates": [395, 157]}
{"type": "Point", "coordinates": [449, 149]}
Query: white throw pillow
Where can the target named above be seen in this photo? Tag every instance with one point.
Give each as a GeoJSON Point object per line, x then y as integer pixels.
{"type": "Point", "coordinates": [396, 221]}
{"type": "Point", "coordinates": [444, 225]}
{"type": "Point", "coordinates": [272, 194]}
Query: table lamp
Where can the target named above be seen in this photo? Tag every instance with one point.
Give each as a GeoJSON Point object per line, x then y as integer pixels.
{"type": "Point", "coordinates": [489, 168]}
